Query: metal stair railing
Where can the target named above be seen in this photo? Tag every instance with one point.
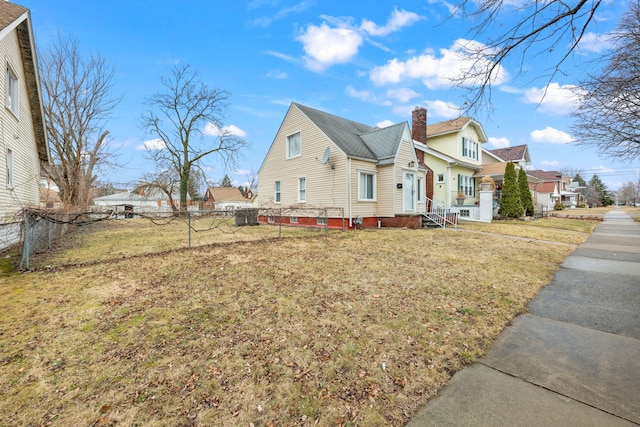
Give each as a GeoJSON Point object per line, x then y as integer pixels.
{"type": "Point", "coordinates": [440, 214]}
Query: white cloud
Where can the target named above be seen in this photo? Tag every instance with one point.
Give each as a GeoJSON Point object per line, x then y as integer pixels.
{"type": "Point", "coordinates": [597, 43]}
{"type": "Point", "coordinates": [277, 74]}
{"type": "Point", "coordinates": [366, 96]}
{"type": "Point", "coordinates": [397, 20]}
{"type": "Point", "coordinates": [211, 129]}
{"type": "Point", "coordinates": [551, 163]}
{"type": "Point", "coordinates": [404, 111]}
{"type": "Point", "coordinates": [499, 142]}
{"type": "Point", "coordinates": [602, 170]}
{"type": "Point", "coordinates": [437, 72]}
{"type": "Point", "coordinates": [152, 144]}
{"type": "Point", "coordinates": [384, 124]}
{"type": "Point", "coordinates": [442, 109]}
{"type": "Point", "coordinates": [337, 40]}
{"type": "Point", "coordinates": [280, 55]}
{"type": "Point", "coordinates": [325, 46]}
{"type": "Point", "coordinates": [554, 99]}
{"type": "Point", "coordinates": [402, 94]}
{"type": "Point", "coordinates": [550, 135]}
{"type": "Point", "coordinates": [267, 20]}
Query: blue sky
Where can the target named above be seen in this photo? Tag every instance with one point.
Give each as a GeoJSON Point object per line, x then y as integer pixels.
{"type": "Point", "coordinates": [371, 62]}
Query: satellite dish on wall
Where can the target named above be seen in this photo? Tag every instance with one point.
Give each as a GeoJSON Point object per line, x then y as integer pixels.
{"type": "Point", "coordinates": [325, 157]}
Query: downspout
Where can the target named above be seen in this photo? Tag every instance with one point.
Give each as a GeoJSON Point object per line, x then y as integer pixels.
{"type": "Point", "coordinates": [349, 191]}
{"type": "Point", "coordinates": [447, 186]}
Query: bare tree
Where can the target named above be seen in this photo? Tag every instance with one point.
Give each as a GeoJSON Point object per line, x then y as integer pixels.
{"type": "Point", "coordinates": [165, 181]}
{"type": "Point", "coordinates": [627, 193]}
{"type": "Point", "coordinates": [609, 113]}
{"type": "Point", "coordinates": [539, 28]}
{"type": "Point", "coordinates": [168, 182]}
{"type": "Point", "coordinates": [78, 99]}
{"type": "Point", "coordinates": [188, 122]}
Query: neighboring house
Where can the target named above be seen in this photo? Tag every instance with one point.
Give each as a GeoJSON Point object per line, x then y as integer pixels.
{"type": "Point", "coordinates": [150, 202]}
{"type": "Point", "coordinates": [24, 141]}
{"type": "Point", "coordinates": [545, 194]}
{"type": "Point", "coordinates": [225, 198]}
{"type": "Point", "coordinates": [452, 153]}
{"type": "Point", "coordinates": [365, 175]}
{"type": "Point", "coordinates": [518, 155]}
{"type": "Point", "coordinates": [561, 189]}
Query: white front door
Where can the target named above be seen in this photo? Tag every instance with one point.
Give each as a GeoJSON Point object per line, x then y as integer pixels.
{"type": "Point", "coordinates": [409, 192]}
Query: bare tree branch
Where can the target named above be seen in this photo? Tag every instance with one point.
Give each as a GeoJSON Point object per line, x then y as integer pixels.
{"type": "Point", "coordinates": [184, 117]}
{"type": "Point", "coordinates": [540, 28]}
{"type": "Point", "coordinates": [77, 102]}
{"type": "Point", "coordinates": [609, 113]}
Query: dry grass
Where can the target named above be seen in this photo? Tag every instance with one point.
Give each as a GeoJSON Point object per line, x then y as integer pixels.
{"type": "Point", "coordinates": [561, 230]}
{"type": "Point", "coordinates": [359, 328]}
{"type": "Point", "coordinates": [117, 239]}
{"type": "Point", "coordinates": [633, 211]}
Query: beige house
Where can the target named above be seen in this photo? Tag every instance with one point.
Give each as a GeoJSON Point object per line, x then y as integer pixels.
{"type": "Point", "coordinates": [452, 152]}
{"type": "Point", "coordinates": [24, 142]}
{"type": "Point", "coordinates": [357, 174]}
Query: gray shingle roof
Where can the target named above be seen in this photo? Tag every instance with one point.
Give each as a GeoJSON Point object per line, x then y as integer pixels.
{"type": "Point", "coordinates": [356, 139]}
{"type": "Point", "coordinates": [384, 142]}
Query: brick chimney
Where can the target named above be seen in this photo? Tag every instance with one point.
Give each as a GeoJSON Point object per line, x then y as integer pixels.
{"type": "Point", "coordinates": [419, 124]}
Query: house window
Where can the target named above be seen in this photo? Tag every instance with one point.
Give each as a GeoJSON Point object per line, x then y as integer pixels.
{"type": "Point", "coordinates": [440, 178]}
{"type": "Point", "coordinates": [271, 219]}
{"type": "Point", "coordinates": [293, 220]}
{"type": "Point", "coordinates": [322, 220]}
{"type": "Point", "coordinates": [293, 145]}
{"type": "Point", "coordinates": [302, 189]}
{"type": "Point", "coordinates": [12, 91]}
{"type": "Point", "coordinates": [276, 196]}
{"type": "Point", "coordinates": [465, 213]}
{"type": "Point", "coordinates": [420, 190]}
{"type": "Point", "coordinates": [467, 185]}
{"type": "Point", "coordinates": [367, 186]}
{"type": "Point", "coordinates": [9, 168]}
{"type": "Point", "coordinates": [469, 149]}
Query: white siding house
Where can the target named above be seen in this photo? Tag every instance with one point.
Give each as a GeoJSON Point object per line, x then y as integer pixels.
{"type": "Point", "coordinates": [22, 129]}
{"type": "Point", "coordinates": [363, 174]}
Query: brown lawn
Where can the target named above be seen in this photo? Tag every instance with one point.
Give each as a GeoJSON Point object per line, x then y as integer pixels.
{"type": "Point", "coordinates": [357, 328]}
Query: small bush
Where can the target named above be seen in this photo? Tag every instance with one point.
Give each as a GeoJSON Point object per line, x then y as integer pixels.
{"type": "Point", "coordinates": [558, 206]}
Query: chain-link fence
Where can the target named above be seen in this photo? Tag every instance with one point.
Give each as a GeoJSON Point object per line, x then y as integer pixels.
{"type": "Point", "coordinates": [101, 235]}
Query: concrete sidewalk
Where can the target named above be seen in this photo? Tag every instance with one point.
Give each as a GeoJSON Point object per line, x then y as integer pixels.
{"type": "Point", "coordinates": [574, 359]}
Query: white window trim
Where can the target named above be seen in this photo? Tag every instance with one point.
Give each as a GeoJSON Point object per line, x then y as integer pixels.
{"type": "Point", "coordinates": [374, 183]}
{"type": "Point", "coordinates": [467, 185]}
{"type": "Point", "coordinates": [420, 188]}
{"type": "Point", "coordinates": [438, 178]}
{"type": "Point", "coordinates": [322, 220]}
{"type": "Point", "coordinates": [288, 156]}
{"type": "Point", "coordinates": [293, 220]}
{"type": "Point", "coordinates": [300, 180]}
{"type": "Point", "coordinates": [277, 192]}
{"type": "Point", "coordinates": [470, 149]}
{"type": "Point", "coordinates": [12, 95]}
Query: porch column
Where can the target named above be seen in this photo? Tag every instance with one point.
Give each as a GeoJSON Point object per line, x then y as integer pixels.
{"type": "Point", "coordinates": [486, 205]}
